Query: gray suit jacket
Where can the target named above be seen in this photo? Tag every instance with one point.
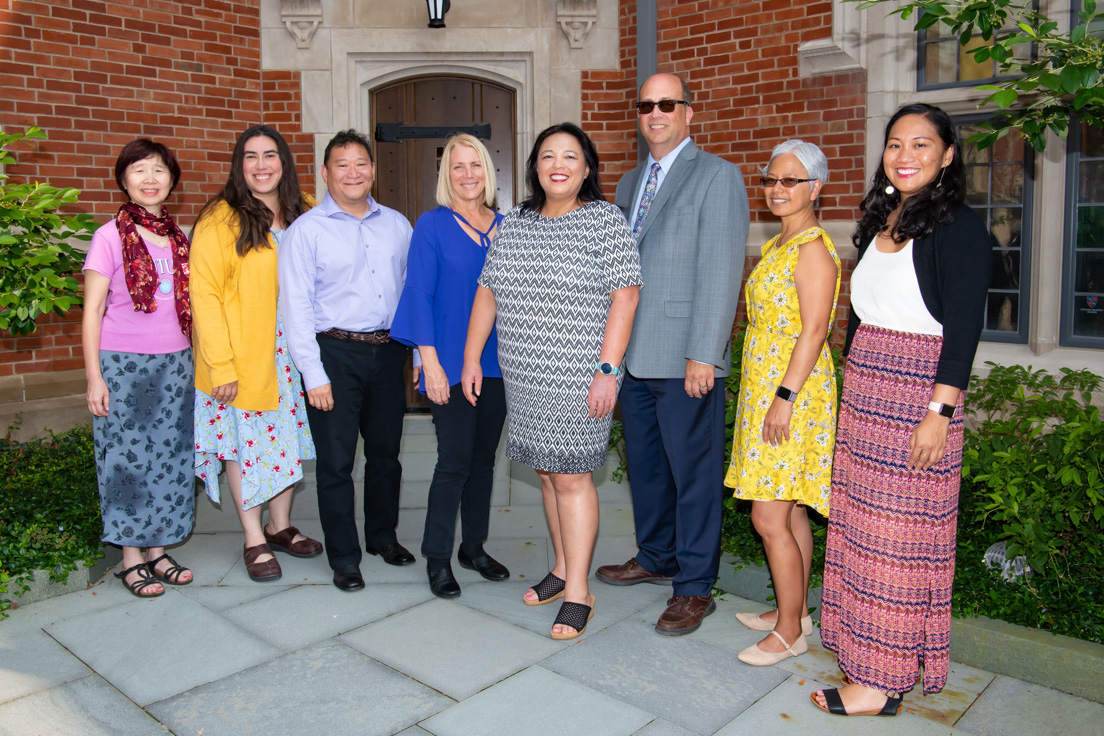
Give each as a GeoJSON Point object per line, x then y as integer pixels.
{"type": "Point", "coordinates": [692, 256]}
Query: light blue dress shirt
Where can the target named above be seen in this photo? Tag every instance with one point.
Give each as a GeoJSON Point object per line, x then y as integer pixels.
{"type": "Point", "coordinates": [340, 271]}
{"type": "Point", "coordinates": [665, 165]}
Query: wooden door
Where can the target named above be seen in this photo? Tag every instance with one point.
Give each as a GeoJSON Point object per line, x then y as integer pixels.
{"type": "Point", "coordinates": [430, 109]}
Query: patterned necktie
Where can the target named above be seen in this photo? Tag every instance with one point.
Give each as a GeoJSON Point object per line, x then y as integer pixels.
{"type": "Point", "coordinates": [646, 200]}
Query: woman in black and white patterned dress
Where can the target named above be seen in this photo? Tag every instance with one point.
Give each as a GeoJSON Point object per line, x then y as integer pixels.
{"type": "Point", "coordinates": [563, 279]}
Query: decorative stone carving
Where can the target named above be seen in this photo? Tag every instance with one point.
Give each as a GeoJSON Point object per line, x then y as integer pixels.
{"type": "Point", "coordinates": [843, 52]}
{"type": "Point", "coordinates": [577, 18]}
{"type": "Point", "coordinates": [302, 18]}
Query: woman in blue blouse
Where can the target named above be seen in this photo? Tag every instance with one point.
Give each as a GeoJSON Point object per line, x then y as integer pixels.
{"type": "Point", "coordinates": [446, 257]}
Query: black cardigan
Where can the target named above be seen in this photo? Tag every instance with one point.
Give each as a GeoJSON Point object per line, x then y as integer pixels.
{"type": "Point", "coordinates": [953, 266]}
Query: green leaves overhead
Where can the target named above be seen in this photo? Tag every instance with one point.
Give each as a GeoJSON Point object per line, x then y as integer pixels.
{"type": "Point", "coordinates": [1055, 78]}
{"type": "Point", "coordinates": [37, 261]}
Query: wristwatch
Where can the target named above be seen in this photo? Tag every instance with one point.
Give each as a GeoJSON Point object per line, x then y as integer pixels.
{"type": "Point", "coordinates": [944, 410]}
{"type": "Point", "coordinates": [607, 369]}
{"type": "Point", "coordinates": [785, 394]}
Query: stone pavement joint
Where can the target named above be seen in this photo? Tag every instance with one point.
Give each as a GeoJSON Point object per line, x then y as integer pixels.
{"type": "Point", "coordinates": [229, 656]}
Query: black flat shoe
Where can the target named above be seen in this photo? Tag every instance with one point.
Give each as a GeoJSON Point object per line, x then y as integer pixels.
{"type": "Point", "coordinates": [393, 554]}
{"type": "Point", "coordinates": [835, 704]}
{"type": "Point", "coordinates": [485, 565]}
{"type": "Point", "coordinates": [348, 578]}
{"type": "Point", "coordinates": [442, 583]}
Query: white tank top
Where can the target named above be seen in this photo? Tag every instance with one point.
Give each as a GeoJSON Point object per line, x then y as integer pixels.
{"type": "Point", "coordinates": [885, 293]}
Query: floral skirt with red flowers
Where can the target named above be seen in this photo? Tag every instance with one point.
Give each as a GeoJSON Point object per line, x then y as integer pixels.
{"type": "Point", "coordinates": [269, 446]}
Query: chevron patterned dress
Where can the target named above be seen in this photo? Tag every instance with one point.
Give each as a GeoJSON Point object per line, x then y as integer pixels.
{"type": "Point", "coordinates": [552, 279]}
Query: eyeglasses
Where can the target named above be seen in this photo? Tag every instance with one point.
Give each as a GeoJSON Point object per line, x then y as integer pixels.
{"type": "Point", "coordinates": [787, 181]}
{"type": "Point", "coordinates": [646, 107]}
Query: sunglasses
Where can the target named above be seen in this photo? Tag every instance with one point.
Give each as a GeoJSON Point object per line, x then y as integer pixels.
{"type": "Point", "coordinates": [787, 181]}
{"type": "Point", "coordinates": [646, 107]}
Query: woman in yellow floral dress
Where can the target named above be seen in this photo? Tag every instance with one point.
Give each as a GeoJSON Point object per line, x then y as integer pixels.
{"type": "Point", "coordinates": [786, 415]}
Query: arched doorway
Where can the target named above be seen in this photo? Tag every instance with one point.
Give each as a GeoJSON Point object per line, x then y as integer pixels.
{"type": "Point", "coordinates": [412, 120]}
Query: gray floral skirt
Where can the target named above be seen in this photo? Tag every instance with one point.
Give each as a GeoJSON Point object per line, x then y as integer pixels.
{"type": "Point", "coordinates": [144, 448]}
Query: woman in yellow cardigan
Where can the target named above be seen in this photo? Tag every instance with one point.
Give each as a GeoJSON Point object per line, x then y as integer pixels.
{"type": "Point", "coordinates": [249, 399]}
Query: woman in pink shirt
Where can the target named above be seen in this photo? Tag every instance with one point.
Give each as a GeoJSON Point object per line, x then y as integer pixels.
{"type": "Point", "coordinates": [138, 362]}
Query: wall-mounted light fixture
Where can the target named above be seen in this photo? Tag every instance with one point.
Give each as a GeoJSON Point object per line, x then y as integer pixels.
{"type": "Point", "coordinates": [437, 10]}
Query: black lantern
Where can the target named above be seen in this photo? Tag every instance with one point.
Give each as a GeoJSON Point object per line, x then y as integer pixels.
{"type": "Point", "coordinates": [437, 10]}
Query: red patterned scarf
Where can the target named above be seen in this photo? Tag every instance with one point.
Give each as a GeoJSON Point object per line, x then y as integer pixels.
{"type": "Point", "coordinates": [138, 267]}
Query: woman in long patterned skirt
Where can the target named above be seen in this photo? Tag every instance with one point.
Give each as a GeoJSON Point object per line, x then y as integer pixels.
{"type": "Point", "coordinates": [248, 396]}
{"type": "Point", "coordinates": [918, 298]}
{"type": "Point", "coordinates": [136, 335]}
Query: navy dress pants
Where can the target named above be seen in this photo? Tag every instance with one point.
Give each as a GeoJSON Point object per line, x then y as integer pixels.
{"type": "Point", "coordinates": [676, 461]}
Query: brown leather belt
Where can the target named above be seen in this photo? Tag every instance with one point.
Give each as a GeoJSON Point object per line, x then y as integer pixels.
{"type": "Point", "coordinates": [379, 337]}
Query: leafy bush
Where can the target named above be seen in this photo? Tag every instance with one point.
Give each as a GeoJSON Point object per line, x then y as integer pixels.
{"type": "Point", "coordinates": [49, 508]}
{"type": "Point", "coordinates": [36, 261]}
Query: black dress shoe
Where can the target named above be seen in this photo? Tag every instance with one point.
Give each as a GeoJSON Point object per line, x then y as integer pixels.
{"type": "Point", "coordinates": [393, 554]}
{"type": "Point", "coordinates": [348, 578]}
{"type": "Point", "coordinates": [442, 583]}
{"type": "Point", "coordinates": [483, 564]}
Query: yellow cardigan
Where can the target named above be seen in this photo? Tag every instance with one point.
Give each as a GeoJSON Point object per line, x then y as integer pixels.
{"type": "Point", "coordinates": [234, 311]}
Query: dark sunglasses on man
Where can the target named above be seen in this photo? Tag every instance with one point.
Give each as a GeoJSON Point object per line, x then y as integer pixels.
{"type": "Point", "coordinates": [646, 107]}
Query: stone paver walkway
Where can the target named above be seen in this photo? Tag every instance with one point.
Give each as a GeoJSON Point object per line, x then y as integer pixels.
{"type": "Point", "coordinates": [229, 656]}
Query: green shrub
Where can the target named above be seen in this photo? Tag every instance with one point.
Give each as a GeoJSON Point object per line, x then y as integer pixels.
{"type": "Point", "coordinates": [49, 508]}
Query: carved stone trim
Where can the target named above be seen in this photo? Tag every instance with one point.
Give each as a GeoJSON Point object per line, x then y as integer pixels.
{"type": "Point", "coordinates": [844, 51]}
{"type": "Point", "coordinates": [576, 19]}
{"type": "Point", "coordinates": [301, 18]}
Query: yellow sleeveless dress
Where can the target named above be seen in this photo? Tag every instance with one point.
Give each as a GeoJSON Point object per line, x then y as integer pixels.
{"type": "Point", "coordinates": [801, 469]}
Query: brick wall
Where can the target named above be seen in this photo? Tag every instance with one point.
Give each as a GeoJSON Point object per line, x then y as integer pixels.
{"type": "Point", "coordinates": [95, 75]}
{"type": "Point", "coordinates": [741, 61]}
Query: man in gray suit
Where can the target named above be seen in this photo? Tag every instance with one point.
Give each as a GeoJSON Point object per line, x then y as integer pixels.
{"type": "Point", "coordinates": [689, 212]}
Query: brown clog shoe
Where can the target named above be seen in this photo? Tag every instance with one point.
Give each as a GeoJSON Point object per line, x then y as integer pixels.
{"type": "Point", "coordinates": [281, 542]}
{"type": "Point", "coordinates": [261, 572]}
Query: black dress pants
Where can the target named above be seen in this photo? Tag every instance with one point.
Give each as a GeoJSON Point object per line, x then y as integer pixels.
{"type": "Point", "coordinates": [467, 438]}
{"type": "Point", "coordinates": [370, 399]}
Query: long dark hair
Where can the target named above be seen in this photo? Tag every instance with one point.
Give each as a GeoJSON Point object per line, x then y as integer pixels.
{"type": "Point", "coordinates": [592, 186]}
{"type": "Point", "coordinates": [254, 216]}
{"type": "Point", "coordinates": [936, 203]}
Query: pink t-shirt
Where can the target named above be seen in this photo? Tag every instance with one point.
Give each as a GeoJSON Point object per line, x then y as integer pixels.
{"type": "Point", "coordinates": [124, 330]}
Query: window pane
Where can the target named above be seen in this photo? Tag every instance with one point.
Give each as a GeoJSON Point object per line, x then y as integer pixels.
{"type": "Point", "coordinates": [970, 152]}
{"type": "Point", "coordinates": [1009, 148]}
{"type": "Point", "coordinates": [1002, 313]}
{"type": "Point", "coordinates": [1090, 272]}
{"type": "Point", "coordinates": [968, 69]}
{"type": "Point", "coordinates": [977, 185]}
{"type": "Point", "coordinates": [1091, 182]}
{"type": "Point", "coordinates": [1092, 142]}
{"type": "Point", "coordinates": [1007, 184]}
{"type": "Point", "coordinates": [1090, 227]}
{"type": "Point", "coordinates": [1088, 315]}
{"type": "Point", "coordinates": [941, 65]}
{"type": "Point", "coordinates": [1005, 224]}
{"type": "Point", "coordinates": [1006, 270]}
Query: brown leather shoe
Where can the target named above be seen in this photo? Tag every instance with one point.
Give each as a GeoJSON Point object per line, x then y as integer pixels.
{"type": "Point", "coordinates": [629, 574]}
{"type": "Point", "coordinates": [684, 614]}
{"type": "Point", "coordinates": [281, 542]}
{"type": "Point", "coordinates": [261, 572]}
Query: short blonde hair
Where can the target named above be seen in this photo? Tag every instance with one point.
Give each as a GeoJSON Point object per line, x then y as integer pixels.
{"type": "Point", "coordinates": [445, 194]}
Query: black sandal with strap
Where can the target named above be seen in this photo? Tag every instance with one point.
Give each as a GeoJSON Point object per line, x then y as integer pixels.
{"type": "Point", "coordinates": [144, 580]}
{"type": "Point", "coordinates": [835, 705]}
{"type": "Point", "coordinates": [575, 615]}
{"type": "Point", "coordinates": [172, 573]}
{"type": "Point", "coordinates": [548, 590]}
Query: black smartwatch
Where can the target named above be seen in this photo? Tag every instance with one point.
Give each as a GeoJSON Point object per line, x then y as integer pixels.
{"type": "Point", "coordinates": [785, 394]}
{"type": "Point", "coordinates": [943, 410]}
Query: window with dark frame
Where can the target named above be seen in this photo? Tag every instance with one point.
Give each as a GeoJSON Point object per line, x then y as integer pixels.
{"type": "Point", "coordinates": [999, 182]}
{"type": "Point", "coordinates": [1083, 264]}
{"type": "Point", "coordinates": [942, 62]}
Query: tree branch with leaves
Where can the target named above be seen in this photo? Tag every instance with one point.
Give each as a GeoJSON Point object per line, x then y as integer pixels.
{"type": "Point", "coordinates": [1058, 82]}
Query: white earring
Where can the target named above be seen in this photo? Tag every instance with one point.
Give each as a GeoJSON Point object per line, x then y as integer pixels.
{"type": "Point", "coordinates": [890, 190]}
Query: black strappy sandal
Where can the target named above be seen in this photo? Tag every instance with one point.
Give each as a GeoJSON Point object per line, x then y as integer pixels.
{"type": "Point", "coordinates": [172, 574]}
{"type": "Point", "coordinates": [548, 590]}
{"type": "Point", "coordinates": [835, 705]}
{"type": "Point", "coordinates": [144, 580]}
{"type": "Point", "coordinates": [575, 615]}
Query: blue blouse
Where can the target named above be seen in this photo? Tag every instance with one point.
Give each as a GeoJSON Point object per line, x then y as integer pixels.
{"type": "Point", "coordinates": [442, 270]}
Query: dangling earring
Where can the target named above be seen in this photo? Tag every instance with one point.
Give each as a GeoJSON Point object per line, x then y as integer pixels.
{"type": "Point", "coordinates": [941, 173]}
{"type": "Point", "coordinates": [890, 190]}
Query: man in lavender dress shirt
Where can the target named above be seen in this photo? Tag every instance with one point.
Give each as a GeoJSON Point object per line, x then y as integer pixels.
{"type": "Point", "coordinates": [342, 266]}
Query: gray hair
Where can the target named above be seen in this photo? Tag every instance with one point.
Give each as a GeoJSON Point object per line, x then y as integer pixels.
{"type": "Point", "coordinates": [811, 157]}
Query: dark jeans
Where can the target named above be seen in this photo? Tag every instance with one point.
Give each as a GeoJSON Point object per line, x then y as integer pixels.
{"type": "Point", "coordinates": [370, 399]}
{"type": "Point", "coordinates": [676, 453]}
{"type": "Point", "coordinates": [467, 438]}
